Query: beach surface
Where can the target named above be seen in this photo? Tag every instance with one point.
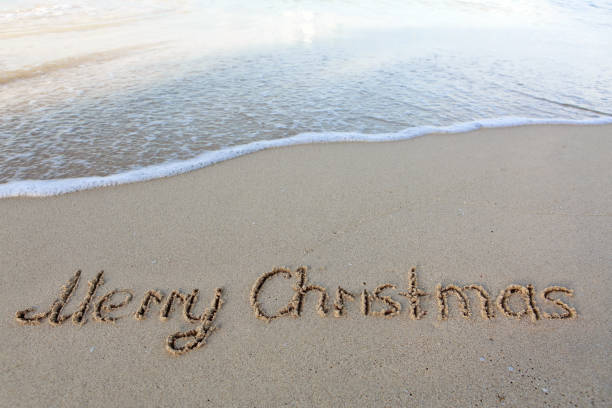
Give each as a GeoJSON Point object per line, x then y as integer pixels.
{"type": "Point", "coordinates": [530, 206]}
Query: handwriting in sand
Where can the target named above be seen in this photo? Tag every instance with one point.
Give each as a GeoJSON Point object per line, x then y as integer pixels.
{"type": "Point", "coordinates": [514, 301]}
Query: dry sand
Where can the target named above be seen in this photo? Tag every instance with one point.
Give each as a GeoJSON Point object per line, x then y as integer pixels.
{"type": "Point", "coordinates": [529, 205]}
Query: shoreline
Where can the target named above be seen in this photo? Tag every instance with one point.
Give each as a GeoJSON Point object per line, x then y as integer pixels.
{"type": "Point", "coordinates": [526, 206]}
{"type": "Point", "coordinates": [45, 188]}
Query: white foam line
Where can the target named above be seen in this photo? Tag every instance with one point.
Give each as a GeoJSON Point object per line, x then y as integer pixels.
{"type": "Point", "coordinates": [41, 188]}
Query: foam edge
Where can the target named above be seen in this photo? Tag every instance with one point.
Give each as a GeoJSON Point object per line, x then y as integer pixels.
{"type": "Point", "coordinates": [45, 188]}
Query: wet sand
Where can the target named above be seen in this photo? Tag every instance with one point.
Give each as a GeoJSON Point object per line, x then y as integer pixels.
{"type": "Point", "coordinates": [529, 206]}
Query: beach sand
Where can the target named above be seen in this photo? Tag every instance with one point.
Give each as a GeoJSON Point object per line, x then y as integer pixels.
{"type": "Point", "coordinates": [527, 206]}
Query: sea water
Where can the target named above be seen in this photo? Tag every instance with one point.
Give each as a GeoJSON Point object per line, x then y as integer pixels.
{"type": "Point", "coordinates": [96, 93]}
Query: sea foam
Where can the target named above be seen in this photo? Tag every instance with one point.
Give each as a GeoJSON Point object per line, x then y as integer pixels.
{"type": "Point", "coordinates": [42, 188]}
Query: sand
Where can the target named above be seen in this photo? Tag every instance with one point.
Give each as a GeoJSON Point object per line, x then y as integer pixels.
{"type": "Point", "coordinates": [528, 206]}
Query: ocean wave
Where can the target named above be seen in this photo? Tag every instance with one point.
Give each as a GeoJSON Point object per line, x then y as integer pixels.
{"type": "Point", "coordinates": [42, 188]}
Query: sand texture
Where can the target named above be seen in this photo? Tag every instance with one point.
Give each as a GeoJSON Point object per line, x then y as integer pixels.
{"type": "Point", "coordinates": [448, 270]}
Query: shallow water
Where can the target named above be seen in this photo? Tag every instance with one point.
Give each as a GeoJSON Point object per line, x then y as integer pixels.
{"type": "Point", "coordinates": [89, 89]}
